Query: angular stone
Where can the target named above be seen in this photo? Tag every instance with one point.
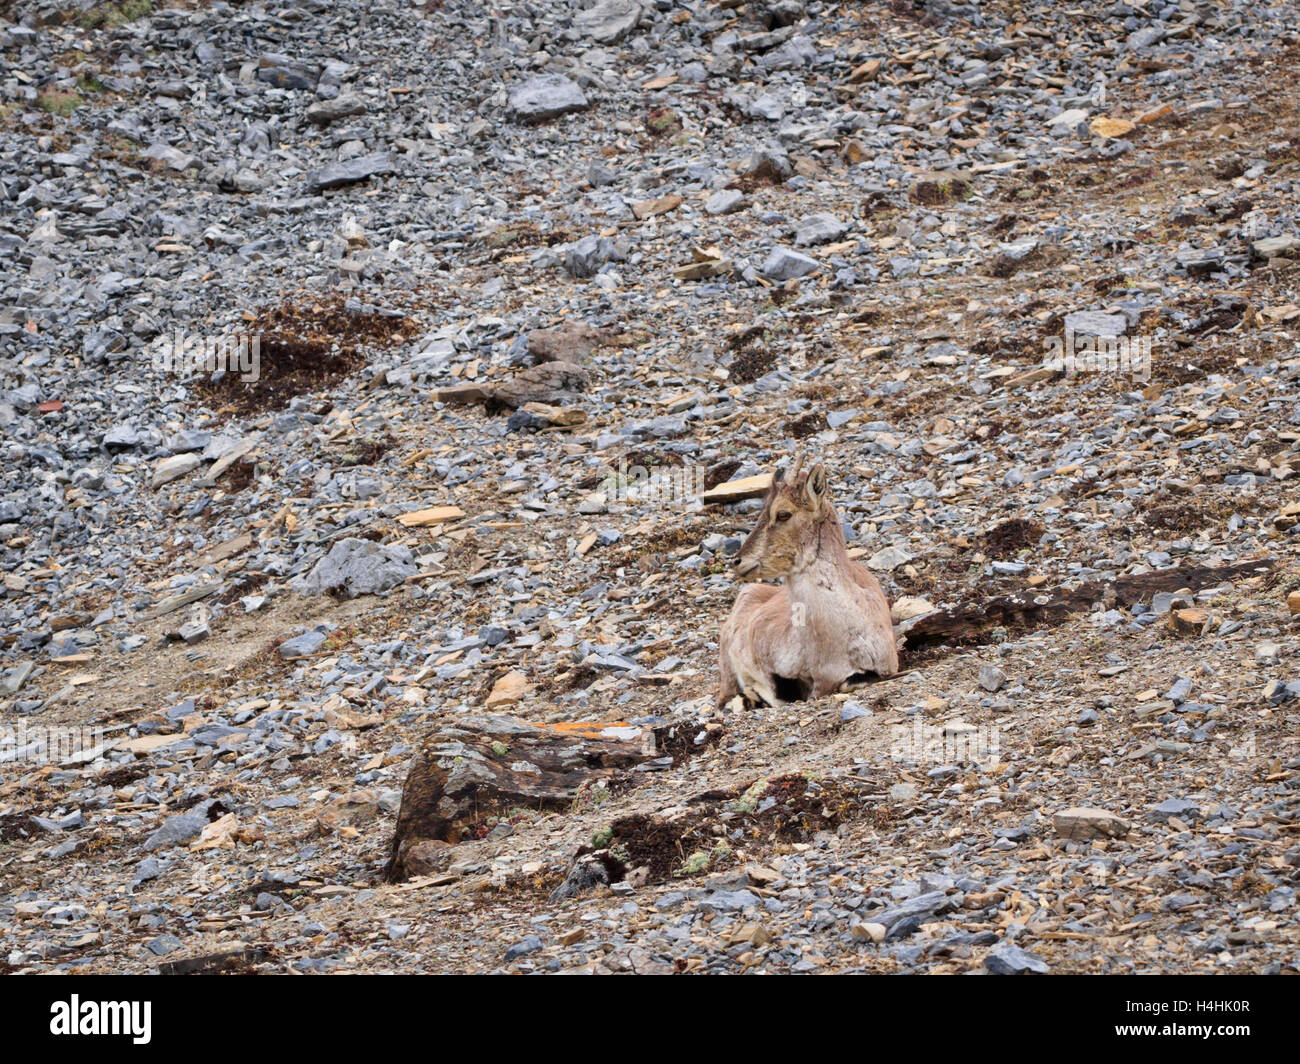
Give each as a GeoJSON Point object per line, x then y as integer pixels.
{"type": "Point", "coordinates": [173, 468]}
{"type": "Point", "coordinates": [1095, 323]}
{"type": "Point", "coordinates": [570, 342]}
{"type": "Point", "coordinates": [1110, 128]}
{"type": "Point", "coordinates": [1009, 959]}
{"type": "Point", "coordinates": [608, 21]}
{"type": "Point", "coordinates": [351, 171]}
{"type": "Point", "coordinates": [323, 112]}
{"type": "Point", "coordinates": [357, 567]}
{"type": "Point", "coordinates": [554, 383]}
{"type": "Point", "coordinates": [768, 164]}
{"type": "Point", "coordinates": [480, 766]}
{"type": "Point", "coordinates": [921, 907]}
{"type": "Point", "coordinates": [724, 201]}
{"type": "Point", "coordinates": [301, 646]}
{"type": "Point", "coordinates": [1085, 822]}
{"type": "Point", "coordinates": [888, 559]}
{"type": "Point", "coordinates": [1067, 119]}
{"type": "Point", "coordinates": [508, 690]}
{"type": "Point", "coordinates": [546, 96]}
{"type": "Point", "coordinates": [174, 158]}
{"type": "Point", "coordinates": [819, 229]}
{"type": "Point", "coordinates": [179, 829]}
{"type": "Point", "coordinates": [1182, 808]}
{"type": "Point", "coordinates": [584, 257]}
{"type": "Point", "coordinates": [1276, 247]}
{"type": "Point", "coordinates": [782, 264]}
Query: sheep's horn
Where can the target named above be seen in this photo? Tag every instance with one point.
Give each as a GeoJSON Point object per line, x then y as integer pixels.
{"type": "Point", "coordinates": [795, 466]}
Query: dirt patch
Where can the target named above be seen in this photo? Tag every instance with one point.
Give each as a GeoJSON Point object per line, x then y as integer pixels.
{"type": "Point", "coordinates": [123, 775]}
{"type": "Point", "coordinates": [242, 586]}
{"type": "Point", "coordinates": [1183, 369]}
{"type": "Point", "coordinates": [933, 192]}
{"type": "Point", "coordinates": [1006, 540]}
{"type": "Point", "coordinates": [304, 348]}
{"type": "Point", "coordinates": [786, 809]}
{"type": "Point", "coordinates": [754, 357]}
{"type": "Point", "coordinates": [238, 476]}
{"type": "Point", "coordinates": [1004, 266]}
{"type": "Point", "coordinates": [16, 827]}
{"type": "Point", "coordinates": [721, 473]}
{"type": "Point", "coordinates": [980, 623]}
{"type": "Point", "coordinates": [764, 175]}
{"type": "Point", "coordinates": [806, 425]}
{"type": "Point", "coordinates": [247, 961]}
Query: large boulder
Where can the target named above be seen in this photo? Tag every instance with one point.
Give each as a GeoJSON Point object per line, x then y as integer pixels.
{"type": "Point", "coordinates": [546, 96]}
{"type": "Point", "coordinates": [553, 383]}
{"type": "Point", "coordinates": [357, 567]}
{"type": "Point", "coordinates": [481, 767]}
{"type": "Point", "coordinates": [571, 341]}
{"type": "Point", "coordinates": [608, 21]}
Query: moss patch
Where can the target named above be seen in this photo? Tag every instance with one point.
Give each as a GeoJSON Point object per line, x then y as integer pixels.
{"type": "Point", "coordinates": [110, 16]}
{"type": "Point", "coordinates": [59, 101]}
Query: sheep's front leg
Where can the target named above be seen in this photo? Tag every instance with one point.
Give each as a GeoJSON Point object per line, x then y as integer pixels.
{"type": "Point", "coordinates": [728, 688]}
{"type": "Point", "coordinates": [764, 691]}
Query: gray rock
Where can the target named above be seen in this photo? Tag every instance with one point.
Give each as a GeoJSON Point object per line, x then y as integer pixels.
{"type": "Point", "coordinates": [770, 164]}
{"type": "Point", "coordinates": [181, 828]}
{"type": "Point", "coordinates": [852, 711]}
{"type": "Point", "coordinates": [588, 873]}
{"type": "Point", "coordinates": [323, 112]}
{"type": "Point", "coordinates": [585, 257]}
{"type": "Point", "coordinates": [1179, 807]}
{"type": "Point", "coordinates": [782, 264]}
{"type": "Point", "coordinates": [164, 944]}
{"type": "Point", "coordinates": [991, 678]}
{"type": "Point", "coordinates": [1276, 247]}
{"type": "Point", "coordinates": [819, 229]}
{"type": "Point", "coordinates": [357, 567]}
{"type": "Point", "coordinates": [730, 901]}
{"type": "Point", "coordinates": [301, 646]}
{"type": "Point", "coordinates": [724, 201]}
{"type": "Point", "coordinates": [525, 946]}
{"type": "Point", "coordinates": [17, 676]}
{"type": "Point", "coordinates": [173, 468]}
{"type": "Point", "coordinates": [1009, 959]}
{"type": "Point", "coordinates": [546, 96]}
{"type": "Point", "coordinates": [173, 158]}
{"type": "Point", "coordinates": [351, 171]}
{"type": "Point", "coordinates": [608, 21]}
{"type": "Point", "coordinates": [921, 907]}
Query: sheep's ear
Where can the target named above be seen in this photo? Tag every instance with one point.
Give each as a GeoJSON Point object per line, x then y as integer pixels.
{"type": "Point", "coordinates": [815, 486]}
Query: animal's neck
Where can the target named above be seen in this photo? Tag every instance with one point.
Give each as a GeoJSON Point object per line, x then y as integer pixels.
{"type": "Point", "coordinates": [822, 584]}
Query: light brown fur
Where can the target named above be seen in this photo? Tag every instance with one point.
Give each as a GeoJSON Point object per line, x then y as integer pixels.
{"type": "Point", "coordinates": [827, 621]}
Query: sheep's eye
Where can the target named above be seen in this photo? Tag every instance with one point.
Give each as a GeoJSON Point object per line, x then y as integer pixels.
{"type": "Point", "coordinates": [784, 515]}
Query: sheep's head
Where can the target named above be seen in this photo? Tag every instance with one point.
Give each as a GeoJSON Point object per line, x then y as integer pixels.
{"type": "Point", "coordinates": [786, 536]}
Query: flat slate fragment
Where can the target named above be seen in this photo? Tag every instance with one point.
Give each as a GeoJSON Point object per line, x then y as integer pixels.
{"type": "Point", "coordinates": [546, 96]}
{"type": "Point", "coordinates": [350, 172]}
